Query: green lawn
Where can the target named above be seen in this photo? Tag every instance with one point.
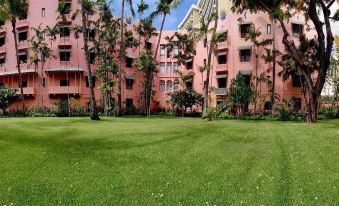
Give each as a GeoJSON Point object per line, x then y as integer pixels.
{"type": "Point", "coordinates": [163, 161]}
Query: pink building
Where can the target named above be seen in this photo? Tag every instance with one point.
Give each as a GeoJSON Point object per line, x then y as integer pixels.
{"type": "Point", "coordinates": [67, 75]}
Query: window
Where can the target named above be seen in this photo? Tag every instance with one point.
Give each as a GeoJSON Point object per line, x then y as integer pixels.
{"type": "Point", "coordinates": [43, 12]}
{"type": "Point", "coordinates": [93, 81]}
{"type": "Point", "coordinates": [244, 29]}
{"type": "Point", "coordinates": [245, 55]}
{"type": "Point", "coordinates": [268, 106]}
{"type": "Point", "coordinates": [169, 86]}
{"type": "Point", "coordinates": [222, 80]}
{"type": "Point", "coordinates": [2, 61]}
{"type": "Point", "coordinates": [189, 64]}
{"type": "Point", "coordinates": [129, 103]}
{"type": "Point", "coordinates": [68, 8]}
{"type": "Point", "coordinates": [297, 104]}
{"type": "Point", "coordinates": [297, 29]}
{"type": "Point", "coordinates": [169, 52]}
{"type": "Point", "coordinates": [296, 81]}
{"type": "Point", "coordinates": [176, 85]}
{"type": "Point", "coordinates": [175, 67]}
{"type": "Point", "coordinates": [162, 87]}
{"type": "Point", "coordinates": [2, 84]}
{"type": "Point", "coordinates": [22, 36]}
{"type": "Point", "coordinates": [162, 67]}
{"type": "Point", "coordinates": [22, 57]}
{"type": "Point", "coordinates": [205, 43]}
{"type": "Point", "coordinates": [2, 23]}
{"type": "Point", "coordinates": [64, 83]}
{"type": "Point", "coordinates": [92, 57]}
{"type": "Point", "coordinates": [129, 62]}
{"type": "Point", "coordinates": [24, 84]}
{"type": "Point", "coordinates": [148, 45]}
{"type": "Point", "coordinates": [90, 33]}
{"type": "Point", "coordinates": [205, 62]}
{"type": "Point", "coordinates": [65, 32]}
{"type": "Point", "coordinates": [269, 29]}
{"type": "Point", "coordinates": [65, 54]}
{"type": "Point", "coordinates": [162, 51]}
{"type": "Point", "coordinates": [176, 50]}
{"type": "Point", "coordinates": [43, 82]}
{"type": "Point", "coordinates": [169, 67]}
{"type": "Point", "coordinates": [129, 84]}
{"type": "Point", "coordinates": [222, 58]}
{"type": "Point", "coordinates": [2, 41]}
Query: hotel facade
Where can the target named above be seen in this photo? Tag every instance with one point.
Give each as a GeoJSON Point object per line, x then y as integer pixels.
{"type": "Point", "coordinates": [66, 74]}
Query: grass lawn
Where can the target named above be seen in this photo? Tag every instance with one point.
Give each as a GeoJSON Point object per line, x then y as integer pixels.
{"type": "Point", "coordinates": [163, 161]}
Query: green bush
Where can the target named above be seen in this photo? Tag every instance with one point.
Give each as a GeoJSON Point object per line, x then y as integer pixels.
{"type": "Point", "coordinates": [42, 112]}
{"type": "Point", "coordinates": [285, 111]}
{"type": "Point", "coordinates": [79, 111]}
{"type": "Point", "coordinates": [329, 112]}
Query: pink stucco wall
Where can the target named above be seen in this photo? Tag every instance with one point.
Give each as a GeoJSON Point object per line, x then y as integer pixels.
{"type": "Point", "coordinates": [80, 92]}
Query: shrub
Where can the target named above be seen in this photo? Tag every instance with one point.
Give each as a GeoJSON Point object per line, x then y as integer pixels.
{"type": "Point", "coordinates": [42, 112]}
{"type": "Point", "coordinates": [285, 111]}
{"type": "Point", "coordinates": [329, 112]}
{"type": "Point", "coordinates": [79, 111]}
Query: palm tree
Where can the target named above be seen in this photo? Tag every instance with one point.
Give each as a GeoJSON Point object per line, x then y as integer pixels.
{"type": "Point", "coordinates": [122, 50]}
{"type": "Point", "coordinates": [87, 9]}
{"type": "Point", "coordinates": [202, 33]}
{"type": "Point", "coordinates": [10, 10]}
{"type": "Point", "coordinates": [163, 8]}
{"type": "Point", "coordinates": [146, 30]}
{"type": "Point", "coordinates": [253, 35]}
{"type": "Point", "coordinates": [148, 65]}
{"type": "Point", "coordinates": [40, 52]}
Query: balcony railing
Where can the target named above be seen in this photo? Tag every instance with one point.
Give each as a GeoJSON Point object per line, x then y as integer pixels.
{"type": "Point", "coordinates": [222, 45]}
{"type": "Point", "coordinates": [65, 41]}
{"type": "Point", "coordinates": [22, 23]}
{"type": "Point", "coordinates": [220, 91]}
{"type": "Point", "coordinates": [23, 45]}
{"type": "Point", "coordinates": [221, 67]}
{"type": "Point", "coordinates": [64, 90]}
{"type": "Point", "coordinates": [2, 49]}
{"type": "Point", "coordinates": [67, 18]}
{"type": "Point", "coordinates": [26, 91]}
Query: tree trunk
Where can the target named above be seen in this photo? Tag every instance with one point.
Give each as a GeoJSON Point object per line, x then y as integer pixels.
{"type": "Point", "coordinates": [13, 21]}
{"type": "Point", "coordinates": [312, 106]}
{"type": "Point", "coordinates": [208, 71]}
{"type": "Point", "coordinates": [273, 67]}
{"type": "Point", "coordinates": [122, 48]}
{"type": "Point", "coordinates": [93, 107]}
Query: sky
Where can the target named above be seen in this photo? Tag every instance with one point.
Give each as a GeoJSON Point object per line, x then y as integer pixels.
{"type": "Point", "coordinates": [177, 15]}
{"type": "Point", "coordinates": [172, 21]}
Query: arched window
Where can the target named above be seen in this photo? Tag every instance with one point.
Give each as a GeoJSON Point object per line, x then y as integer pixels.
{"type": "Point", "coordinates": [169, 86]}
{"type": "Point", "coordinates": [162, 86]}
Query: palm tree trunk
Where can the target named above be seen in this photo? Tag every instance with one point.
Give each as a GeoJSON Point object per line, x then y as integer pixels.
{"type": "Point", "coordinates": [274, 66]}
{"type": "Point", "coordinates": [208, 71]}
{"type": "Point", "coordinates": [122, 48]}
{"type": "Point", "coordinates": [160, 34]}
{"type": "Point", "coordinates": [13, 21]}
{"type": "Point", "coordinates": [93, 108]}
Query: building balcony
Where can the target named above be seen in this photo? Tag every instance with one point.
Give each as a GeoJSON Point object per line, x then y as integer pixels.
{"type": "Point", "coordinates": [222, 46]}
{"type": "Point", "coordinates": [28, 91]}
{"type": "Point", "coordinates": [221, 67]}
{"type": "Point", "coordinates": [74, 90]}
{"type": "Point", "coordinates": [67, 19]}
{"type": "Point", "coordinates": [14, 71]}
{"type": "Point", "coordinates": [2, 50]}
{"type": "Point", "coordinates": [220, 91]}
{"type": "Point", "coordinates": [22, 23]}
{"type": "Point", "coordinates": [65, 41]}
{"type": "Point", "coordinates": [23, 45]}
